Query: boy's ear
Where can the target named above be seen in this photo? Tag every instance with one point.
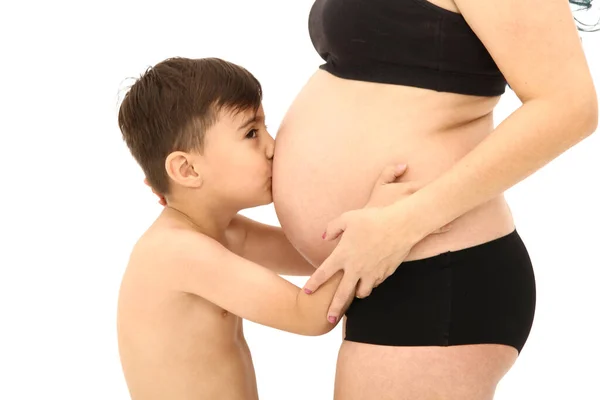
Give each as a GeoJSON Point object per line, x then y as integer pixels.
{"type": "Point", "coordinates": [183, 168]}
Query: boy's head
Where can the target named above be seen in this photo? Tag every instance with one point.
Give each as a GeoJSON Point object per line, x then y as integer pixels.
{"type": "Point", "coordinates": [196, 127]}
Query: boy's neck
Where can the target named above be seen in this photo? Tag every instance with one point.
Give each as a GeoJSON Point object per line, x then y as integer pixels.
{"type": "Point", "coordinates": [201, 218]}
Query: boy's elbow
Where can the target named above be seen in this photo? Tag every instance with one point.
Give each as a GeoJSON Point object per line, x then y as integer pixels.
{"type": "Point", "coordinates": [318, 327]}
{"type": "Point", "coordinates": [323, 329]}
{"type": "Point", "coordinates": [312, 324]}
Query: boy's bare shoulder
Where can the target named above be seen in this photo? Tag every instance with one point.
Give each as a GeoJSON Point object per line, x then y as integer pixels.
{"type": "Point", "coordinates": [164, 257]}
{"type": "Point", "coordinates": [169, 243]}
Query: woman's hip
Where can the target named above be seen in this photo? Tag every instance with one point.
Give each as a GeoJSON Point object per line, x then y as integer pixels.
{"type": "Point", "coordinates": [481, 294]}
{"type": "Point", "coordinates": [490, 220]}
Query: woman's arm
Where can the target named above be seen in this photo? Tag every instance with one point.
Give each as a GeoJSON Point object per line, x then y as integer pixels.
{"type": "Point", "coordinates": [536, 46]}
{"type": "Point", "coordinates": [200, 265]}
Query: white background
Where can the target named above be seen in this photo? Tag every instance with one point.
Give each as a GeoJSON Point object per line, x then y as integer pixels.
{"type": "Point", "coordinates": [73, 203]}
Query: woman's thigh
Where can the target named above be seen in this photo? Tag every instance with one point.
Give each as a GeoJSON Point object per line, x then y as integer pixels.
{"type": "Point", "coordinates": [444, 327]}
{"type": "Point", "coordinates": [465, 372]}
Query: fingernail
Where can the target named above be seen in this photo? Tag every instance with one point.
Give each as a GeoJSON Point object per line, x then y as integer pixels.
{"type": "Point", "coordinates": [332, 319]}
{"type": "Point", "coordinates": [307, 291]}
{"type": "Point", "coordinates": [401, 166]}
{"type": "Point", "coordinates": [324, 234]}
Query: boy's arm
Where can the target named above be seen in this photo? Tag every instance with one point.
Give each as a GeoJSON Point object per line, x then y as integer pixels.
{"type": "Point", "coordinates": [202, 266]}
{"type": "Point", "coordinates": [268, 246]}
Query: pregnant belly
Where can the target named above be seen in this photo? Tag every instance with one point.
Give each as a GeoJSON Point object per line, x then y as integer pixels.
{"type": "Point", "coordinates": [337, 137]}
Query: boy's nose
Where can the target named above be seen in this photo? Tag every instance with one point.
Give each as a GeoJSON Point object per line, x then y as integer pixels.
{"type": "Point", "coordinates": [270, 151]}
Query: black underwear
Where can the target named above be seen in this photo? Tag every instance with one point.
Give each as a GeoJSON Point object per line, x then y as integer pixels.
{"type": "Point", "coordinates": [480, 294]}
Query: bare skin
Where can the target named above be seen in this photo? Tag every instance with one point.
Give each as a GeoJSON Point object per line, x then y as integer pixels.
{"type": "Point", "coordinates": [433, 131]}
{"type": "Point", "coordinates": [450, 140]}
{"type": "Point", "coordinates": [433, 373]}
{"type": "Point", "coordinates": [313, 184]}
{"type": "Point", "coordinates": [204, 331]}
{"type": "Point", "coordinates": [183, 297]}
{"type": "Point", "coordinates": [201, 267]}
{"type": "Point", "coordinates": [174, 344]}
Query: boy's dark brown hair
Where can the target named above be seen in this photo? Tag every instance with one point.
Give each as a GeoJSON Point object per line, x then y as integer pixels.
{"type": "Point", "coordinates": [172, 105]}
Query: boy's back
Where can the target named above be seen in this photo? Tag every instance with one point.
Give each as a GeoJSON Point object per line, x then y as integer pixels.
{"type": "Point", "coordinates": [176, 345]}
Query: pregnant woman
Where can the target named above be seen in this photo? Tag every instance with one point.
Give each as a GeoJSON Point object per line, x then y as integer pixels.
{"type": "Point", "coordinates": [414, 81]}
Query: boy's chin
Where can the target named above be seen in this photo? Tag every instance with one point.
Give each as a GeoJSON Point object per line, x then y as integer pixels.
{"type": "Point", "coordinates": [260, 201]}
{"type": "Point", "coordinates": [268, 199]}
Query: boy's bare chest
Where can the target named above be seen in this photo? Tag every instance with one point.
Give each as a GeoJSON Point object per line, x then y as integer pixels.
{"type": "Point", "coordinates": [206, 318]}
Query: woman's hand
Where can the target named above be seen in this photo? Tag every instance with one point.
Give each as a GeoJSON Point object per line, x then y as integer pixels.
{"type": "Point", "coordinates": [161, 198]}
{"type": "Point", "coordinates": [372, 244]}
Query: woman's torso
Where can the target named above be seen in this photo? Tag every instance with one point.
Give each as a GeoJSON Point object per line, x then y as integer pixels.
{"type": "Point", "coordinates": [388, 93]}
{"type": "Point", "coordinates": [339, 134]}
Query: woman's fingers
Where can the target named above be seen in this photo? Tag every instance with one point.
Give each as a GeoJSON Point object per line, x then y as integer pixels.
{"type": "Point", "coordinates": [335, 228]}
{"type": "Point", "coordinates": [443, 229]}
{"type": "Point", "coordinates": [320, 276]}
{"type": "Point", "coordinates": [343, 296]}
{"type": "Point", "coordinates": [365, 287]}
{"type": "Point", "coordinates": [391, 173]}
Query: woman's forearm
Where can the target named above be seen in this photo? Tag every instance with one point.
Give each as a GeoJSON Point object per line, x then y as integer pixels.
{"type": "Point", "coordinates": [535, 134]}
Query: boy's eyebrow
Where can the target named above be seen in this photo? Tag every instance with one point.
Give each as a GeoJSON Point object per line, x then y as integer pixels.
{"type": "Point", "coordinates": [254, 118]}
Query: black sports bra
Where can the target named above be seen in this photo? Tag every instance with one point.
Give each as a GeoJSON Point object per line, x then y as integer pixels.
{"type": "Point", "coordinates": [403, 42]}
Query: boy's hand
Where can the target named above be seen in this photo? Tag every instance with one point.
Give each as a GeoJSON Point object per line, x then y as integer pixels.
{"type": "Point", "coordinates": [161, 199]}
{"type": "Point", "coordinates": [388, 189]}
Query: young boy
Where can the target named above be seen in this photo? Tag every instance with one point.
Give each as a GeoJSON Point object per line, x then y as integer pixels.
{"type": "Point", "coordinates": [196, 127]}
